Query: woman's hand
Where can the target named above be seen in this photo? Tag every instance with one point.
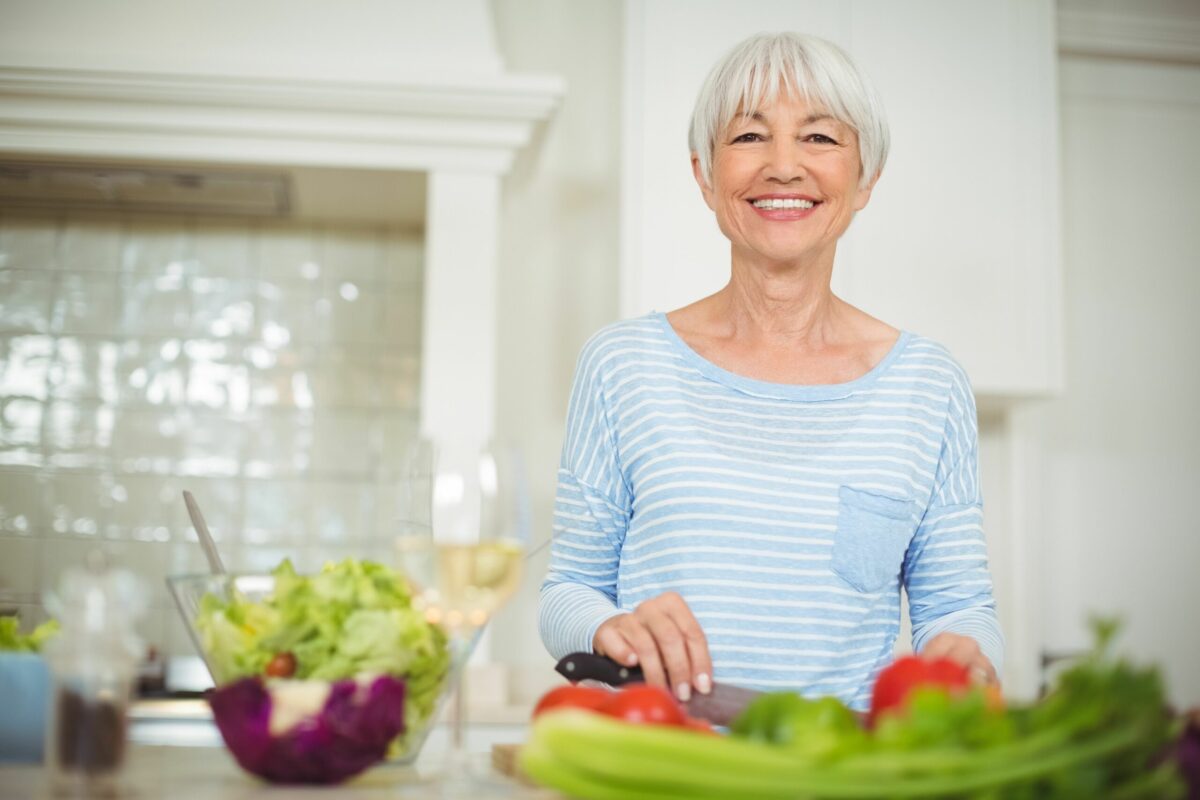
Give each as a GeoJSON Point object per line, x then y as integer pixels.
{"type": "Point", "coordinates": [963, 650]}
{"type": "Point", "coordinates": [663, 636]}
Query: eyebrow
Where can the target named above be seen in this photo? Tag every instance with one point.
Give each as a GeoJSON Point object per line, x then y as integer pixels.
{"type": "Point", "coordinates": [758, 116]}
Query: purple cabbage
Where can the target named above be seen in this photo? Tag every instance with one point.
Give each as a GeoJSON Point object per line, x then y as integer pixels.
{"type": "Point", "coordinates": [351, 732]}
{"type": "Point", "coordinates": [1187, 753]}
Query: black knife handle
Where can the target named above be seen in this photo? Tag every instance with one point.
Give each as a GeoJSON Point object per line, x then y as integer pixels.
{"type": "Point", "coordinates": [591, 667]}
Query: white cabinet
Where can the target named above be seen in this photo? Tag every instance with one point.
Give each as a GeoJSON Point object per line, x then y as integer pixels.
{"type": "Point", "coordinates": [960, 240]}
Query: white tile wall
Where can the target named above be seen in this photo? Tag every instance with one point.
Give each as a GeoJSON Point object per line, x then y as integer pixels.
{"type": "Point", "coordinates": [19, 567]}
{"type": "Point", "coordinates": [28, 300]}
{"type": "Point", "coordinates": [224, 249]}
{"type": "Point", "coordinates": [270, 368]}
{"type": "Point", "coordinates": [90, 245]}
{"type": "Point", "coordinates": [83, 369]}
{"type": "Point", "coordinates": [30, 244]}
{"type": "Point", "coordinates": [86, 303]}
{"type": "Point", "coordinates": [24, 503]}
{"type": "Point", "coordinates": [287, 253]}
{"type": "Point", "coordinates": [25, 365]}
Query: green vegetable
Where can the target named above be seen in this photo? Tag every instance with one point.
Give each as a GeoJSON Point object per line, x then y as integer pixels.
{"type": "Point", "coordinates": [11, 638]}
{"type": "Point", "coordinates": [1095, 736]}
{"type": "Point", "coordinates": [816, 730]}
{"type": "Point", "coordinates": [937, 718]}
{"type": "Point", "coordinates": [353, 618]}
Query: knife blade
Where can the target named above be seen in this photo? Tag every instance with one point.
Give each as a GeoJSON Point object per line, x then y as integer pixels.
{"type": "Point", "coordinates": [720, 706]}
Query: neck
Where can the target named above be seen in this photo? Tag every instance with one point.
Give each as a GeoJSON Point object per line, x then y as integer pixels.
{"type": "Point", "coordinates": [787, 305]}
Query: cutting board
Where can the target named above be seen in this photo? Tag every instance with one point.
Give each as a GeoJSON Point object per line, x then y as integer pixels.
{"type": "Point", "coordinates": [504, 761]}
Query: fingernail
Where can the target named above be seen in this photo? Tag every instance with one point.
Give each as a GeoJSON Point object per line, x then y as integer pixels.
{"type": "Point", "coordinates": [684, 692]}
{"type": "Point", "coordinates": [631, 660]}
{"type": "Point", "coordinates": [703, 683]}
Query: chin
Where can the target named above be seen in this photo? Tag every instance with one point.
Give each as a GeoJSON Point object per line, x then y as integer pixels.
{"type": "Point", "coordinates": [785, 254]}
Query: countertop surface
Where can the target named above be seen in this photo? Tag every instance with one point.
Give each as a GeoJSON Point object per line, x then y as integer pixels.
{"type": "Point", "coordinates": [192, 773]}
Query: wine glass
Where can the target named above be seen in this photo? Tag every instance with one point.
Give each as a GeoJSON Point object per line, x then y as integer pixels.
{"type": "Point", "coordinates": [462, 536]}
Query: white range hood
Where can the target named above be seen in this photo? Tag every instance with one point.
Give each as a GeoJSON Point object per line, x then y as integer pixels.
{"type": "Point", "coordinates": [358, 101]}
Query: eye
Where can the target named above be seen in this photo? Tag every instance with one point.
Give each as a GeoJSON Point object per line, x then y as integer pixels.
{"type": "Point", "coordinates": [748, 137]}
{"type": "Point", "coordinates": [819, 138]}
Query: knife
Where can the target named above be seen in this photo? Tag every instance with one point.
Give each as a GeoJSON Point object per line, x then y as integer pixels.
{"type": "Point", "coordinates": [720, 706]}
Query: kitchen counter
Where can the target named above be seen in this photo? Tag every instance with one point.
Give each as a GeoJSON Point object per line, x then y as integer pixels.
{"type": "Point", "coordinates": [188, 723]}
{"type": "Point", "coordinates": [204, 773]}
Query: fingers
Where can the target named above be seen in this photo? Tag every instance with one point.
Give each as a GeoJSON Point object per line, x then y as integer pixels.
{"type": "Point", "coordinates": [983, 673]}
{"type": "Point", "coordinates": [644, 643]}
{"type": "Point", "coordinates": [664, 637]}
{"type": "Point", "coordinates": [676, 659]}
{"type": "Point", "coordinates": [940, 646]}
{"type": "Point", "coordinates": [609, 641]}
{"type": "Point", "coordinates": [965, 651]}
{"type": "Point", "coordinates": [697, 649]}
{"type": "Point", "coordinates": [626, 640]}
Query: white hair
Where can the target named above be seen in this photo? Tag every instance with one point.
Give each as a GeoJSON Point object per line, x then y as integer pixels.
{"type": "Point", "coordinates": [765, 66]}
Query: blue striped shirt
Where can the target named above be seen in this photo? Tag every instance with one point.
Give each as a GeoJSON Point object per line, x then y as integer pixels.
{"type": "Point", "coordinates": [788, 517]}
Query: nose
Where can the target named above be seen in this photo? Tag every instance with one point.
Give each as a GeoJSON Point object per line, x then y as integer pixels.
{"type": "Point", "coordinates": [785, 161]}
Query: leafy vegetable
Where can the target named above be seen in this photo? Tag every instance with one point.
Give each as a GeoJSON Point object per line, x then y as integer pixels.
{"type": "Point", "coordinates": [1097, 735]}
{"type": "Point", "coordinates": [817, 730]}
{"type": "Point", "coordinates": [351, 731]}
{"type": "Point", "coordinates": [11, 637]}
{"type": "Point", "coordinates": [351, 619]}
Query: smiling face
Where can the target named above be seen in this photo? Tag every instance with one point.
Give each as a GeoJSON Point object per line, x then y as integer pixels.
{"type": "Point", "coordinates": [785, 183]}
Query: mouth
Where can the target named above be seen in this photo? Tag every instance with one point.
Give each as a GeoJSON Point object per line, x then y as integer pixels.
{"type": "Point", "coordinates": [777, 203]}
{"type": "Point", "coordinates": [783, 207]}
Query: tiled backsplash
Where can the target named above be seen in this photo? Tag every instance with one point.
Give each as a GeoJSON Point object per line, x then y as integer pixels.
{"type": "Point", "coordinates": [270, 368]}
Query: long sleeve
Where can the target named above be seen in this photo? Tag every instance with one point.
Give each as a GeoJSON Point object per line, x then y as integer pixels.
{"type": "Point", "coordinates": [591, 516]}
{"type": "Point", "coordinates": [946, 566]}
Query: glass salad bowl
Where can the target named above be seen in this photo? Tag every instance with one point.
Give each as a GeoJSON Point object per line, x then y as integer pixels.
{"type": "Point", "coordinates": [352, 620]}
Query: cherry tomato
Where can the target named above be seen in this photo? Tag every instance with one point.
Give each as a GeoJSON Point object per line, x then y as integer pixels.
{"type": "Point", "coordinates": [588, 697]}
{"type": "Point", "coordinates": [283, 665]}
{"type": "Point", "coordinates": [645, 704]}
{"type": "Point", "coordinates": [895, 681]}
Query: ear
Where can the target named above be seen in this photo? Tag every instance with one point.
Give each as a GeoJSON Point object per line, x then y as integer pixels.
{"type": "Point", "coordinates": [864, 194]}
{"type": "Point", "coordinates": [705, 189]}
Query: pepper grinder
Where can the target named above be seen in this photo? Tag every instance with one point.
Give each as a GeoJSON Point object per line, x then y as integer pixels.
{"type": "Point", "coordinates": [94, 664]}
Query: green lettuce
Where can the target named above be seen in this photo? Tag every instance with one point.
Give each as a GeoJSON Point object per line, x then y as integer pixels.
{"type": "Point", "coordinates": [353, 618]}
{"type": "Point", "coordinates": [11, 638]}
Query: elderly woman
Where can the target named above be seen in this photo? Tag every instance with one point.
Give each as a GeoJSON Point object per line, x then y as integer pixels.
{"type": "Point", "coordinates": [747, 481]}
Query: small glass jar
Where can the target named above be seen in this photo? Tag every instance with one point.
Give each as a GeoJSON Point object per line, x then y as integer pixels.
{"type": "Point", "coordinates": [94, 661]}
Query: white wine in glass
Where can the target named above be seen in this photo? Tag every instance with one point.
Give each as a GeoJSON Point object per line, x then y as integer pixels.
{"type": "Point", "coordinates": [462, 546]}
{"type": "Point", "coordinates": [460, 586]}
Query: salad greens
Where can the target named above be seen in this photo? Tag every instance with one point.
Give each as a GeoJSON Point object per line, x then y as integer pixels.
{"type": "Point", "coordinates": [1100, 733]}
{"type": "Point", "coordinates": [821, 729]}
{"type": "Point", "coordinates": [353, 618]}
{"type": "Point", "coordinates": [11, 638]}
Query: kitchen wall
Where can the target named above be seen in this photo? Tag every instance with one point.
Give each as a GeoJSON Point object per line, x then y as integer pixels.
{"type": "Point", "coordinates": [1111, 466]}
{"type": "Point", "coordinates": [558, 265]}
{"type": "Point", "coordinates": [269, 367]}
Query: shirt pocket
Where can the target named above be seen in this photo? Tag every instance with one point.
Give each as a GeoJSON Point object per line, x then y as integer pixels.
{"type": "Point", "coordinates": [873, 532]}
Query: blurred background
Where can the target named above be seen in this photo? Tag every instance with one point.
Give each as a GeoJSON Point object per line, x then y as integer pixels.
{"type": "Point", "coordinates": [251, 249]}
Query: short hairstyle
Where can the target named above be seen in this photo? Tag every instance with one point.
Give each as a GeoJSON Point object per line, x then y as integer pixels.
{"type": "Point", "coordinates": [767, 65]}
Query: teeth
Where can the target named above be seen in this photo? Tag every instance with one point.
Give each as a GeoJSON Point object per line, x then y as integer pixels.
{"type": "Point", "coordinates": [781, 203]}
